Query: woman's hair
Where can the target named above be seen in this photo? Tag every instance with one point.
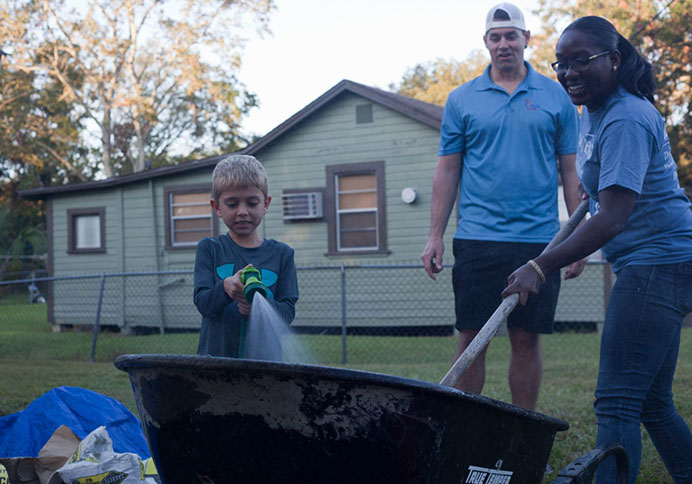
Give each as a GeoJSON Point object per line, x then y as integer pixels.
{"type": "Point", "coordinates": [635, 73]}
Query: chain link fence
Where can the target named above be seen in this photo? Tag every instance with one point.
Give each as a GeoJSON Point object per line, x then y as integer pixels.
{"type": "Point", "coordinates": [346, 314]}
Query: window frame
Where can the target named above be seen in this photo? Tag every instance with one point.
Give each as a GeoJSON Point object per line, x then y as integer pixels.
{"type": "Point", "coordinates": [168, 220]}
{"type": "Point", "coordinates": [72, 215]}
{"type": "Point", "coordinates": [331, 216]}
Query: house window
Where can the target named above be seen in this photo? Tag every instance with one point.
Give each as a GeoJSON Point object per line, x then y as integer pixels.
{"type": "Point", "coordinates": [86, 230]}
{"type": "Point", "coordinates": [189, 216]}
{"type": "Point", "coordinates": [357, 219]}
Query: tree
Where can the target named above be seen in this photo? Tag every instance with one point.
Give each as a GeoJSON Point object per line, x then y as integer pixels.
{"type": "Point", "coordinates": [37, 122]}
{"type": "Point", "coordinates": [158, 76]}
{"type": "Point", "coordinates": [660, 29]}
{"type": "Point", "coordinates": [627, 16]}
{"type": "Point", "coordinates": [22, 232]}
{"type": "Point", "coordinates": [39, 145]}
{"type": "Point", "coordinates": [432, 81]}
{"type": "Point", "coordinates": [39, 134]}
{"type": "Point", "coordinates": [671, 55]}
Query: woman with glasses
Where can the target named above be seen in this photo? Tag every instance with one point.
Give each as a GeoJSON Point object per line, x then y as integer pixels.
{"type": "Point", "coordinates": [641, 219]}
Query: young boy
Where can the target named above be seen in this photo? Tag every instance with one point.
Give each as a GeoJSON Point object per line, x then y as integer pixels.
{"type": "Point", "coordinates": [240, 198]}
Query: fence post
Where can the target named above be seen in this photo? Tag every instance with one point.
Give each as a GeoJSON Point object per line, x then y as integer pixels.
{"type": "Point", "coordinates": [344, 348]}
{"type": "Point", "coordinates": [98, 319]}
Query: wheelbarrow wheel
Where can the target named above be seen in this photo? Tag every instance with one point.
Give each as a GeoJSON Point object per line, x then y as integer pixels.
{"type": "Point", "coordinates": [583, 469]}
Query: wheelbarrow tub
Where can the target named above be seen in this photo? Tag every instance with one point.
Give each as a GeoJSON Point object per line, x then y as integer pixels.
{"type": "Point", "coordinates": [224, 420]}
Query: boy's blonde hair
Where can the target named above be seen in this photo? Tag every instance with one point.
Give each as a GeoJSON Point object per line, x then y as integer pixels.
{"type": "Point", "coordinates": [238, 171]}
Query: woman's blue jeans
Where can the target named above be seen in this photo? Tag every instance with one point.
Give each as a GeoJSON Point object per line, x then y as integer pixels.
{"type": "Point", "coordinates": [639, 351]}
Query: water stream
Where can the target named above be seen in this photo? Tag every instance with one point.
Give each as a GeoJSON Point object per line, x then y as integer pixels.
{"type": "Point", "coordinates": [270, 338]}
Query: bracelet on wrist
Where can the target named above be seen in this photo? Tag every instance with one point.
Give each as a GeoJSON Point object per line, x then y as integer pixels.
{"type": "Point", "coordinates": [538, 270]}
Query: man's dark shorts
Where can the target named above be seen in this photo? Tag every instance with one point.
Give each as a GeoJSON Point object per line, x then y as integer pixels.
{"type": "Point", "coordinates": [479, 276]}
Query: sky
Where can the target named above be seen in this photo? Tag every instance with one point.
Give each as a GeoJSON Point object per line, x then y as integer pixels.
{"type": "Point", "coordinates": [317, 43]}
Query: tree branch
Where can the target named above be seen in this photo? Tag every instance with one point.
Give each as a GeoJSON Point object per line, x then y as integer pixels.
{"type": "Point", "coordinates": [648, 22]}
{"type": "Point", "coordinates": [62, 160]}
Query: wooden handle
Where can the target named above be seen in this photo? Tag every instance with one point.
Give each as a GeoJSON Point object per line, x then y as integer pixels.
{"type": "Point", "coordinates": [506, 307]}
{"type": "Point", "coordinates": [570, 225]}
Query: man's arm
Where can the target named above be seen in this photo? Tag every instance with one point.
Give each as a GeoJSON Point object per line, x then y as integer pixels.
{"type": "Point", "coordinates": [570, 191]}
{"type": "Point", "coordinates": [444, 193]}
{"type": "Point", "coordinates": [570, 181]}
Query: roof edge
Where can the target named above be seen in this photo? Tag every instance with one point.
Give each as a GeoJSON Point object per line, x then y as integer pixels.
{"type": "Point", "coordinates": [40, 193]}
{"type": "Point", "coordinates": [412, 108]}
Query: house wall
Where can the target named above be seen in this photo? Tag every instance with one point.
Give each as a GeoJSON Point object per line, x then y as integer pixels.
{"type": "Point", "coordinates": [135, 234]}
{"type": "Point", "coordinates": [73, 300]}
{"type": "Point", "coordinates": [175, 311]}
{"type": "Point", "coordinates": [409, 152]}
{"type": "Point", "coordinates": [134, 242]}
{"type": "Point", "coordinates": [331, 137]}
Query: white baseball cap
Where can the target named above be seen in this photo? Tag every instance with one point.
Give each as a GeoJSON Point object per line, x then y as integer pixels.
{"type": "Point", "coordinates": [504, 15]}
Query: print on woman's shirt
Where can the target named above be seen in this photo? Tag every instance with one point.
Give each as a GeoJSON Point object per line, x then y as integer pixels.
{"type": "Point", "coordinates": [584, 152]}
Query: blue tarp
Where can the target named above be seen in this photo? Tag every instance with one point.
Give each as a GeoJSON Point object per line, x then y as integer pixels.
{"type": "Point", "coordinates": [24, 433]}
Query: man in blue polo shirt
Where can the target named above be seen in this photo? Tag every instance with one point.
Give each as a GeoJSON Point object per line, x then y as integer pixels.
{"type": "Point", "coordinates": [501, 137]}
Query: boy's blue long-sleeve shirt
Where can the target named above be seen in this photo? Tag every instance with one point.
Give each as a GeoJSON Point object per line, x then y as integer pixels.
{"type": "Point", "coordinates": [220, 257]}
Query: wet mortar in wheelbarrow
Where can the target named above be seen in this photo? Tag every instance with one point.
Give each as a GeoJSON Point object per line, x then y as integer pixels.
{"type": "Point", "coordinates": [225, 420]}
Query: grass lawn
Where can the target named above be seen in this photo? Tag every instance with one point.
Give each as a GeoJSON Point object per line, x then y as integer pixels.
{"type": "Point", "coordinates": [33, 360]}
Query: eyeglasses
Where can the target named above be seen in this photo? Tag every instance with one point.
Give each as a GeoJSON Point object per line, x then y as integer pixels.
{"type": "Point", "coordinates": [578, 64]}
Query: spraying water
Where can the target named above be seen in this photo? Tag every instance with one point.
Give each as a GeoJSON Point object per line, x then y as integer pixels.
{"type": "Point", "coordinates": [270, 338]}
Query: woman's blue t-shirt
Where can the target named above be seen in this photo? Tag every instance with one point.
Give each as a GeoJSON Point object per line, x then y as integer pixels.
{"type": "Point", "coordinates": [624, 143]}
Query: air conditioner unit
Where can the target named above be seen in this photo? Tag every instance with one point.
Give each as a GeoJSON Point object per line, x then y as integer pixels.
{"type": "Point", "coordinates": [305, 205]}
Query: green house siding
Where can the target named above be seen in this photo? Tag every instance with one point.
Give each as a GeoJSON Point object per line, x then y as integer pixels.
{"type": "Point", "coordinates": [332, 137]}
{"type": "Point", "coordinates": [177, 258]}
{"type": "Point", "coordinates": [136, 238]}
{"type": "Point", "coordinates": [73, 300]}
{"type": "Point", "coordinates": [66, 263]}
{"type": "Point", "coordinates": [297, 159]}
{"type": "Point", "coordinates": [408, 150]}
{"type": "Point", "coordinates": [139, 228]}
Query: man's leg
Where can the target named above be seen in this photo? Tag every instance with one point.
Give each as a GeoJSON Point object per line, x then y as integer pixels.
{"type": "Point", "coordinates": [525, 325]}
{"type": "Point", "coordinates": [525, 368]}
{"type": "Point", "coordinates": [474, 377]}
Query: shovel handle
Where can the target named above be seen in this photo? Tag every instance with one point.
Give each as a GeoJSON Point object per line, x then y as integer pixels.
{"type": "Point", "coordinates": [569, 226]}
{"type": "Point", "coordinates": [506, 307]}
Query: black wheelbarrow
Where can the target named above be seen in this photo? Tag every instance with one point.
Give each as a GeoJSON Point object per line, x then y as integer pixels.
{"type": "Point", "coordinates": [229, 421]}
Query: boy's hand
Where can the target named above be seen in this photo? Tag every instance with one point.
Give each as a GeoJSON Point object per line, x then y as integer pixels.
{"type": "Point", "coordinates": [244, 307]}
{"type": "Point", "coordinates": [234, 288]}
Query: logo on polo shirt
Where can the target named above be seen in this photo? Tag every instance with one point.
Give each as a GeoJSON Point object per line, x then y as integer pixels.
{"type": "Point", "coordinates": [530, 106]}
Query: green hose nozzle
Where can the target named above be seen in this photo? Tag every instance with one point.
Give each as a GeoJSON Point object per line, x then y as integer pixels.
{"type": "Point", "coordinates": [251, 279]}
{"type": "Point", "coordinates": [252, 283]}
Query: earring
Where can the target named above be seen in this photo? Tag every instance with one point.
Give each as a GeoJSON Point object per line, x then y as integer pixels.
{"type": "Point", "coordinates": [615, 68]}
